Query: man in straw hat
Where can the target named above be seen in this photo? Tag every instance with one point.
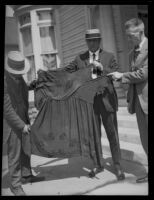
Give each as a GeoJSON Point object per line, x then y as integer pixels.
{"type": "Point", "coordinates": [137, 78]}
{"type": "Point", "coordinates": [16, 116]}
{"type": "Point", "coordinates": [102, 61]}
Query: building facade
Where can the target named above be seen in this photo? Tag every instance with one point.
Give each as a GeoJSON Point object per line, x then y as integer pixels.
{"type": "Point", "coordinates": [50, 36]}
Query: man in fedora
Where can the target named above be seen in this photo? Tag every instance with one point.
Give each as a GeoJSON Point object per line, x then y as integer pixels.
{"type": "Point", "coordinates": [137, 78]}
{"type": "Point", "coordinates": [103, 61]}
{"type": "Point", "coordinates": [16, 116]}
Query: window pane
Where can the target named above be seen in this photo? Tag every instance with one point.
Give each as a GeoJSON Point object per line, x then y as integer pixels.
{"type": "Point", "coordinates": [45, 15]}
{"type": "Point", "coordinates": [31, 72]}
{"type": "Point", "coordinates": [27, 41]}
{"type": "Point", "coordinates": [47, 39]}
{"type": "Point", "coordinates": [24, 19]}
{"type": "Point", "coordinates": [49, 61]}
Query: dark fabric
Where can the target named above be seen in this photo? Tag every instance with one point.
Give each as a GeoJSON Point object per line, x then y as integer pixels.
{"type": "Point", "coordinates": [142, 121]}
{"type": "Point", "coordinates": [66, 125]}
{"type": "Point", "coordinates": [60, 84]}
{"type": "Point", "coordinates": [19, 147]}
{"type": "Point", "coordinates": [10, 118]}
{"type": "Point", "coordinates": [109, 120]}
{"type": "Point", "coordinates": [18, 92]}
{"type": "Point", "coordinates": [18, 157]}
{"type": "Point", "coordinates": [107, 59]}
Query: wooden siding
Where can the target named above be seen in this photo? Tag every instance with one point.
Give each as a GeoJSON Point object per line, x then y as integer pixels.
{"type": "Point", "coordinates": [72, 28]}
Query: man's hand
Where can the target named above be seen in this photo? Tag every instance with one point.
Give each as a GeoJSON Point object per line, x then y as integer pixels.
{"type": "Point", "coordinates": [115, 75]}
{"type": "Point", "coordinates": [26, 129]}
{"type": "Point", "coordinates": [98, 65]}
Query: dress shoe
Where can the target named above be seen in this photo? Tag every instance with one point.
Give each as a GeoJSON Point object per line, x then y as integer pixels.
{"type": "Point", "coordinates": [95, 171]}
{"type": "Point", "coordinates": [119, 173]}
{"type": "Point", "coordinates": [142, 179]}
{"type": "Point", "coordinates": [31, 179]}
{"type": "Point", "coordinates": [17, 191]}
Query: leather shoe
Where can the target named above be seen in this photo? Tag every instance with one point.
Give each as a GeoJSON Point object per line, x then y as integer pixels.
{"type": "Point", "coordinates": [17, 191]}
{"type": "Point", "coordinates": [31, 179]}
{"type": "Point", "coordinates": [142, 179]}
{"type": "Point", "coordinates": [95, 171]}
{"type": "Point", "coordinates": [119, 173]}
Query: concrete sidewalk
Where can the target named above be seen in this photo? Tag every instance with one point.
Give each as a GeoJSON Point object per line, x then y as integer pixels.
{"type": "Point", "coordinates": [70, 177]}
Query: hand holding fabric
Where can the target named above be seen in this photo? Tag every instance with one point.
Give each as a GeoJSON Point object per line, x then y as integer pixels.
{"type": "Point", "coordinates": [26, 129]}
{"type": "Point", "coordinates": [116, 75]}
{"type": "Point", "coordinates": [98, 65]}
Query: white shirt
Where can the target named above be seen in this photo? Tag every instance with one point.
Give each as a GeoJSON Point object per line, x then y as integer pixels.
{"type": "Point", "coordinates": [91, 60]}
{"type": "Point", "coordinates": [91, 55]}
{"type": "Point", "coordinates": [141, 44]}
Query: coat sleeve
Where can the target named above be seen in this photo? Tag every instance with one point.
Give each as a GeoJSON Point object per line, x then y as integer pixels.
{"type": "Point", "coordinates": [113, 65]}
{"type": "Point", "coordinates": [9, 113]}
{"type": "Point", "coordinates": [137, 76]}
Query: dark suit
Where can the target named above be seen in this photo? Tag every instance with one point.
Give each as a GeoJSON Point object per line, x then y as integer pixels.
{"type": "Point", "coordinates": [137, 96]}
{"type": "Point", "coordinates": [16, 115]}
{"type": "Point", "coordinates": [106, 104]}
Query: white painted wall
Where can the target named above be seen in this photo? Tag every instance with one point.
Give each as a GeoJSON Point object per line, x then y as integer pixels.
{"type": "Point", "coordinates": [9, 11]}
{"type": "Point", "coordinates": [107, 29]}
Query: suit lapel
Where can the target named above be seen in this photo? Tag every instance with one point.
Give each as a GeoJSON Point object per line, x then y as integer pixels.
{"type": "Point", "coordinates": [85, 58]}
{"type": "Point", "coordinates": [102, 57]}
{"type": "Point", "coordinates": [141, 56]}
{"type": "Point", "coordinates": [143, 53]}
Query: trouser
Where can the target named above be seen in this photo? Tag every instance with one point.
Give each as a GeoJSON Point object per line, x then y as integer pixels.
{"type": "Point", "coordinates": [19, 151]}
{"type": "Point", "coordinates": [142, 121]}
{"type": "Point", "coordinates": [109, 120]}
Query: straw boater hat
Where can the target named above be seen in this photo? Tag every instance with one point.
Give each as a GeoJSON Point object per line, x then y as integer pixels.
{"type": "Point", "coordinates": [92, 34]}
{"type": "Point", "coordinates": [16, 63]}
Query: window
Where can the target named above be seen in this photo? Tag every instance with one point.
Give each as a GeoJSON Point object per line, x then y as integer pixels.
{"type": "Point", "coordinates": [25, 31]}
{"type": "Point", "coordinates": [37, 31]}
{"type": "Point", "coordinates": [46, 23]}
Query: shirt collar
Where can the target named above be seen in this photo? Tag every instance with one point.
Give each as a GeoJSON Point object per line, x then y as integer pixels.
{"type": "Point", "coordinates": [96, 52]}
{"type": "Point", "coordinates": [141, 44]}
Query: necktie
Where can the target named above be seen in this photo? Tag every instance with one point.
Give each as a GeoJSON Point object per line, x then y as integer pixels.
{"type": "Point", "coordinates": [136, 52]}
{"type": "Point", "coordinates": [94, 56]}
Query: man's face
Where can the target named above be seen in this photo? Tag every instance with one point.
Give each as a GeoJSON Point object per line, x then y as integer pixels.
{"type": "Point", "coordinates": [93, 44]}
{"type": "Point", "coordinates": [134, 37]}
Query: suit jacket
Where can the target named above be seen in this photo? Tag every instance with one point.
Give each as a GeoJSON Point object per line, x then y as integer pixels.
{"type": "Point", "coordinates": [15, 106]}
{"type": "Point", "coordinates": [109, 63]}
{"type": "Point", "coordinates": [107, 59]}
{"type": "Point", "coordinates": [137, 79]}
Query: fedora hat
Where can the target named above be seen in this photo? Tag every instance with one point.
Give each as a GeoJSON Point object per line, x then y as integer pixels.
{"type": "Point", "coordinates": [16, 63]}
{"type": "Point", "coordinates": [92, 34]}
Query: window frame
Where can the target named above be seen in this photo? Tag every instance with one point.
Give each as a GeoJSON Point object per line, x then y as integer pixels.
{"type": "Point", "coordinates": [36, 38]}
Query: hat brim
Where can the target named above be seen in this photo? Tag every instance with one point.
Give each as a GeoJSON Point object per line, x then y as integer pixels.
{"type": "Point", "coordinates": [24, 71]}
{"type": "Point", "coordinates": [91, 38]}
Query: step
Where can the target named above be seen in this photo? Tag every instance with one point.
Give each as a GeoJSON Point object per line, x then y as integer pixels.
{"type": "Point", "coordinates": [127, 121]}
{"type": "Point", "coordinates": [129, 151]}
{"type": "Point", "coordinates": [122, 102]}
{"type": "Point", "coordinates": [123, 111]}
{"type": "Point", "coordinates": [126, 134]}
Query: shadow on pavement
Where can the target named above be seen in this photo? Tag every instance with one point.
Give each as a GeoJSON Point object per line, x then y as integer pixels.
{"type": "Point", "coordinates": [74, 168]}
{"type": "Point", "coordinates": [136, 169]}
